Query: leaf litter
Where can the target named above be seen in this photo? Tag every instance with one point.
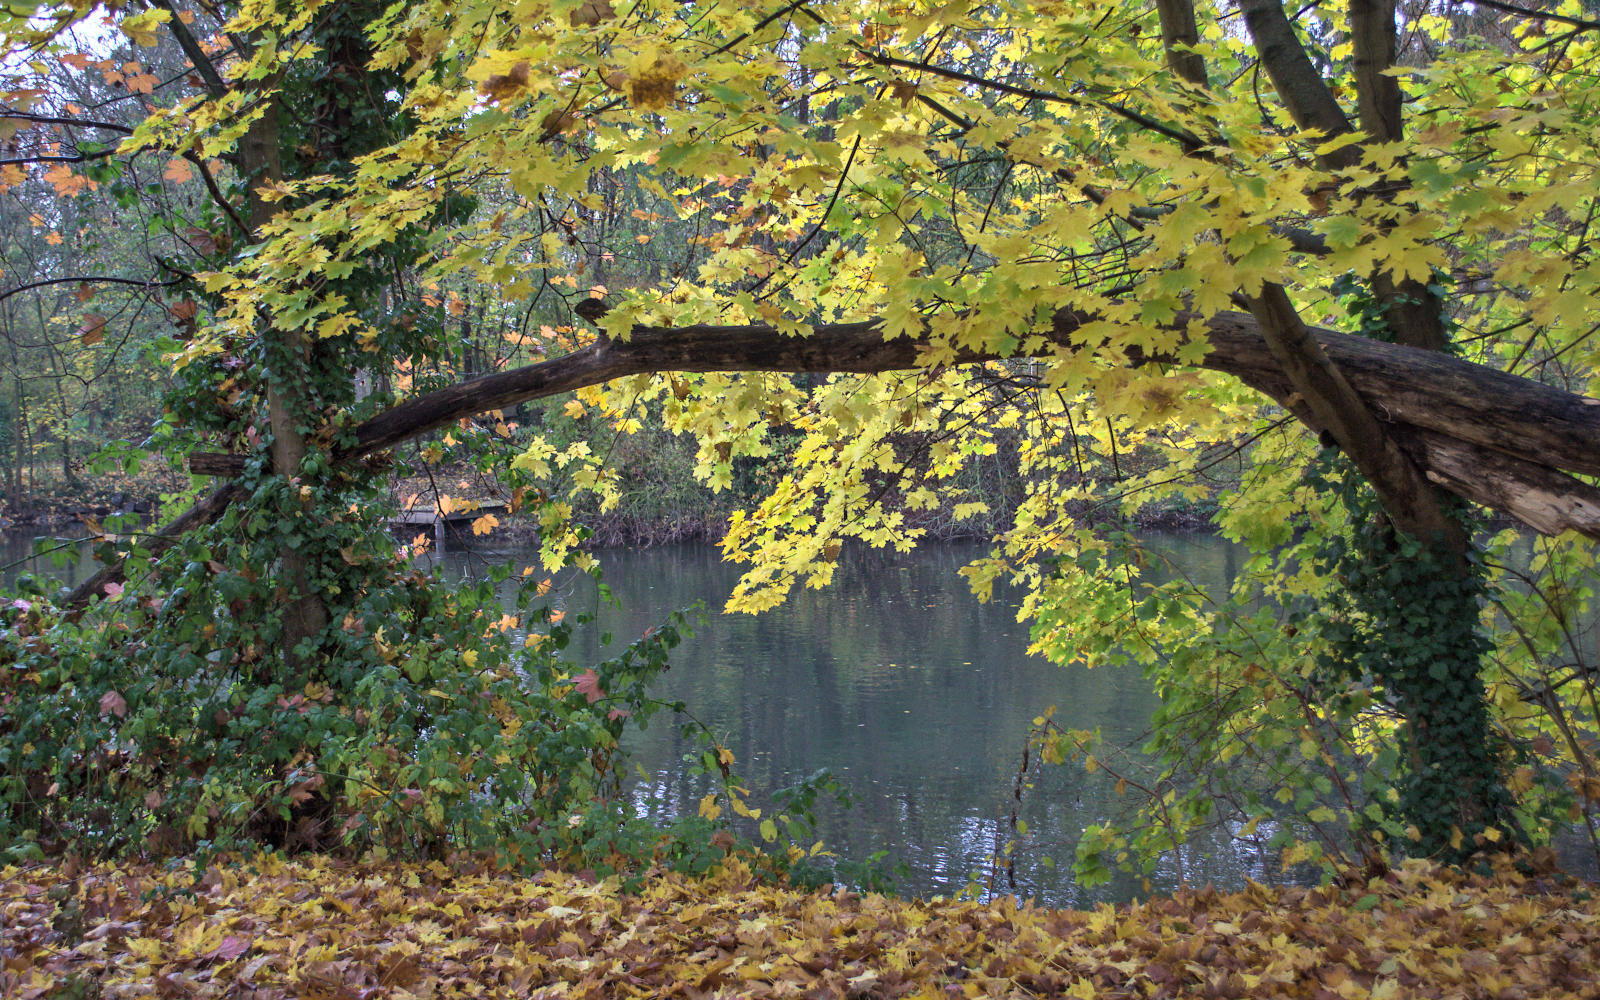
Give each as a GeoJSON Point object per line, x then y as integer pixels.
{"type": "Point", "coordinates": [323, 928]}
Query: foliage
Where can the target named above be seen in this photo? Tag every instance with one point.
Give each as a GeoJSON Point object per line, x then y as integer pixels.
{"type": "Point", "coordinates": [434, 722]}
{"type": "Point", "coordinates": [1429, 679]}
{"type": "Point", "coordinates": [1070, 192]}
{"type": "Point", "coordinates": [267, 928]}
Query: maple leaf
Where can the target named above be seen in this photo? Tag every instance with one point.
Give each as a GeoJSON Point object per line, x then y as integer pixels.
{"type": "Point", "coordinates": [231, 948]}
{"type": "Point", "coordinates": [92, 330]}
{"type": "Point", "coordinates": [502, 87]}
{"type": "Point", "coordinates": [592, 12]}
{"type": "Point", "coordinates": [112, 703]}
{"type": "Point", "coordinates": [653, 87]}
{"type": "Point", "coordinates": [141, 28]}
{"type": "Point", "coordinates": [588, 685]}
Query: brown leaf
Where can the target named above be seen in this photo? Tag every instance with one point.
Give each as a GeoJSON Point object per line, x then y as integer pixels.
{"type": "Point", "coordinates": [556, 122]}
{"type": "Point", "coordinates": [592, 12]}
{"type": "Point", "coordinates": [654, 88]}
{"type": "Point", "coordinates": [112, 703]}
{"type": "Point", "coordinates": [92, 330]}
{"type": "Point", "coordinates": [207, 242]}
{"type": "Point", "coordinates": [506, 87]}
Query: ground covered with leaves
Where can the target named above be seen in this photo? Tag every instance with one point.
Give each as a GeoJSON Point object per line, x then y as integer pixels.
{"type": "Point", "coordinates": [319, 928]}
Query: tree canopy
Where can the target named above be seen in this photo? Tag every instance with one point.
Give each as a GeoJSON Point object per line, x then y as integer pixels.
{"type": "Point", "coordinates": [1351, 244]}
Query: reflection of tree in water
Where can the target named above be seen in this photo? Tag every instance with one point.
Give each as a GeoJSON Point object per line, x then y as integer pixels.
{"type": "Point", "coordinates": [899, 682]}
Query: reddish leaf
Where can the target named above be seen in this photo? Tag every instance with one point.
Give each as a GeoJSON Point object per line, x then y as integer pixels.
{"type": "Point", "coordinates": [231, 948]}
{"type": "Point", "coordinates": [588, 685]}
{"type": "Point", "coordinates": [112, 703]}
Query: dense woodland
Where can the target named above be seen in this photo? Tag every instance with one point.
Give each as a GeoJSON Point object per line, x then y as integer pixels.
{"type": "Point", "coordinates": [860, 273]}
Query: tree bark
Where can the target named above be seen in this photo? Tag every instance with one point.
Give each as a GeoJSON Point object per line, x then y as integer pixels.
{"type": "Point", "coordinates": [1179, 36]}
{"type": "Point", "coordinates": [1491, 437]}
{"type": "Point", "coordinates": [304, 614]}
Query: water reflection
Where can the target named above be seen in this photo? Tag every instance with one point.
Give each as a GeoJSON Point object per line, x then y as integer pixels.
{"type": "Point", "coordinates": [912, 692]}
{"type": "Point", "coordinates": [60, 556]}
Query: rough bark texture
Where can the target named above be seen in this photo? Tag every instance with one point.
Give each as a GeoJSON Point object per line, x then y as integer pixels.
{"type": "Point", "coordinates": [1405, 493]}
{"type": "Point", "coordinates": [1406, 386]}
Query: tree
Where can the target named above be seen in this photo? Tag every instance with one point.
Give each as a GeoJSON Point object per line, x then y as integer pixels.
{"type": "Point", "coordinates": [1148, 201]}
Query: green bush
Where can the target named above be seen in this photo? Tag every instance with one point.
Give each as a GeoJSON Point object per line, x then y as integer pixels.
{"type": "Point", "coordinates": [167, 718]}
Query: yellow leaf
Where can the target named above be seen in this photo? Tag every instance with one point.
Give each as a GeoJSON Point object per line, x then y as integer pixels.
{"type": "Point", "coordinates": [141, 28]}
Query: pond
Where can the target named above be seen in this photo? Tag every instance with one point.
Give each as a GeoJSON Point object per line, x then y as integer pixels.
{"type": "Point", "coordinates": [917, 697]}
{"type": "Point", "coordinates": [914, 695]}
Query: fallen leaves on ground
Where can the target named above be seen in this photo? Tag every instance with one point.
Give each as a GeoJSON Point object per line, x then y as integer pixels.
{"type": "Point", "coordinates": [322, 928]}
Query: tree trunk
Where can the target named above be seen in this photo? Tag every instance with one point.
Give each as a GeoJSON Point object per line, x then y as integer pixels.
{"type": "Point", "coordinates": [1428, 660]}
{"type": "Point", "coordinates": [304, 614]}
{"type": "Point", "coordinates": [1490, 437]}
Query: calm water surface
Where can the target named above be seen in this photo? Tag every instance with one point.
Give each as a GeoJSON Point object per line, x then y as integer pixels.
{"type": "Point", "coordinates": [917, 697]}
{"type": "Point", "coordinates": [911, 692]}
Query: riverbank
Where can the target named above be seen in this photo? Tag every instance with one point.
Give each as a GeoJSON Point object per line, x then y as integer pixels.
{"type": "Point", "coordinates": [268, 929]}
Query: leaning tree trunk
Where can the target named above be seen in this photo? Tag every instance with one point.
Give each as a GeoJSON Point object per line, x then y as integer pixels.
{"type": "Point", "coordinates": [1489, 437]}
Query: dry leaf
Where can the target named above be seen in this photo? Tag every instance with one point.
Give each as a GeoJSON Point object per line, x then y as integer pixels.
{"type": "Point", "coordinates": [92, 330]}
{"type": "Point", "coordinates": [592, 12]}
{"type": "Point", "coordinates": [112, 703]}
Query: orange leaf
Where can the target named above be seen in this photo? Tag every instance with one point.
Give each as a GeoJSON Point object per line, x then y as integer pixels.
{"type": "Point", "coordinates": [178, 171]}
{"type": "Point", "coordinates": [93, 329]}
